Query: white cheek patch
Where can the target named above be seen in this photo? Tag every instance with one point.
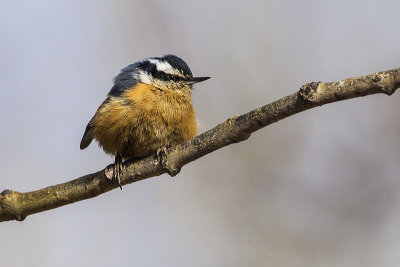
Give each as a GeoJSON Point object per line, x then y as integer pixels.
{"type": "Point", "coordinates": [165, 67]}
{"type": "Point", "coordinates": [143, 77]}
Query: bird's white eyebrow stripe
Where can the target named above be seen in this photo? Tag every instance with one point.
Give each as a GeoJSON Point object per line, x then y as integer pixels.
{"type": "Point", "coordinates": [165, 67]}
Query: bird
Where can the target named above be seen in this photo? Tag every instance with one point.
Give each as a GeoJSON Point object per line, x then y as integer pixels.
{"type": "Point", "coordinates": [148, 109]}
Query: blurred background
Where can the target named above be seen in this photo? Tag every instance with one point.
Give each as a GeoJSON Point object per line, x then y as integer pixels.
{"type": "Point", "coordinates": [321, 187]}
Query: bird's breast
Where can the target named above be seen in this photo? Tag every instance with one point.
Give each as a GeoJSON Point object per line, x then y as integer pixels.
{"type": "Point", "coordinates": [149, 119]}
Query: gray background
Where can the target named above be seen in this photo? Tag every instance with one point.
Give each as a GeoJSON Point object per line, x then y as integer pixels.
{"type": "Point", "coordinates": [320, 188]}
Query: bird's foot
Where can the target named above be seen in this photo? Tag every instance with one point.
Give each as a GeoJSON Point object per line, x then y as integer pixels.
{"type": "Point", "coordinates": [163, 156]}
{"type": "Point", "coordinates": [118, 169]}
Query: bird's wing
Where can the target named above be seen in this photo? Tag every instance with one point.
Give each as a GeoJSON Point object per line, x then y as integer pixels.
{"type": "Point", "coordinates": [87, 137]}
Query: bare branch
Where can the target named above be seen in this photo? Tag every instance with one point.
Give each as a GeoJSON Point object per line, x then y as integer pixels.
{"type": "Point", "coordinates": [16, 206]}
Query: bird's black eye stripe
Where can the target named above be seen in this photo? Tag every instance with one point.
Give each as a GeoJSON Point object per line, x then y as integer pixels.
{"type": "Point", "coordinates": [174, 78]}
{"type": "Point", "coordinates": [167, 77]}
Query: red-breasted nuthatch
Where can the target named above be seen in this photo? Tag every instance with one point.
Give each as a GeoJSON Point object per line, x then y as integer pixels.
{"type": "Point", "coordinates": [149, 108]}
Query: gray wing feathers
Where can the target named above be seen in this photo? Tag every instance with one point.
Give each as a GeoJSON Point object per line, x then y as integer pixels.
{"type": "Point", "coordinates": [87, 137]}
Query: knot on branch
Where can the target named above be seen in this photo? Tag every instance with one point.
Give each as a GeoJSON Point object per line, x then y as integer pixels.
{"type": "Point", "coordinates": [9, 208]}
{"type": "Point", "coordinates": [380, 79]}
{"type": "Point", "coordinates": [6, 193]}
{"type": "Point", "coordinates": [309, 91]}
{"type": "Point", "coordinates": [171, 169]}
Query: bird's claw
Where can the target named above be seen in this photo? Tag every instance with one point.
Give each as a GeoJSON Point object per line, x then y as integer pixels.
{"type": "Point", "coordinates": [162, 155]}
{"type": "Point", "coordinates": [118, 169]}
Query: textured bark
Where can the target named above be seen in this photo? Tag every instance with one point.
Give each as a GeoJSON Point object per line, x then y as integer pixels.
{"type": "Point", "coordinates": [16, 206]}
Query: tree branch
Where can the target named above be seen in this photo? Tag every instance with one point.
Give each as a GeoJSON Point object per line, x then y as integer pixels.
{"type": "Point", "coordinates": [16, 206]}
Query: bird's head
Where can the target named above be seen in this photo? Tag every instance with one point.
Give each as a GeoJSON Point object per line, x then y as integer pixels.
{"type": "Point", "coordinates": [167, 72]}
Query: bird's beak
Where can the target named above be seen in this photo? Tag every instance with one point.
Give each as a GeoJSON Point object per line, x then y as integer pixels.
{"type": "Point", "coordinates": [196, 80]}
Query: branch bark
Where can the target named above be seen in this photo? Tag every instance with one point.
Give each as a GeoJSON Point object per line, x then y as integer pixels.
{"type": "Point", "coordinates": [16, 206]}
